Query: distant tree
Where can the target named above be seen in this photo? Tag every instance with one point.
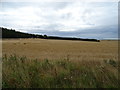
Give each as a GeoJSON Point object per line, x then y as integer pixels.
{"type": "Point", "coordinates": [45, 36]}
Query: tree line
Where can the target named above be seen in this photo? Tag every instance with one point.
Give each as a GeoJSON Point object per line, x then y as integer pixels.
{"type": "Point", "coordinates": [11, 33]}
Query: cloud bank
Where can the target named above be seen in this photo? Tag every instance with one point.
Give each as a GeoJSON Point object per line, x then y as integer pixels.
{"type": "Point", "coordinates": [73, 19]}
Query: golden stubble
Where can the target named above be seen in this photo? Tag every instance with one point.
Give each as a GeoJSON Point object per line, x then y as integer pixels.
{"type": "Point", "coordinates": [61, 49]}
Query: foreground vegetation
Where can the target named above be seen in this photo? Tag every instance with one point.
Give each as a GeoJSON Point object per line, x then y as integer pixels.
{"type": "Point", "coordinates": [21, 72]}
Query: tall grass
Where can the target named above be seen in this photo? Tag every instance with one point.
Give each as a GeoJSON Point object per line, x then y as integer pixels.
{"type": "Point", "coordinates": [20, 72]}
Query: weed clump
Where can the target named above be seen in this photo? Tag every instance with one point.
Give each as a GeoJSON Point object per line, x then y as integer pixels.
{"type": "Point", "coordinates": [111, 62]}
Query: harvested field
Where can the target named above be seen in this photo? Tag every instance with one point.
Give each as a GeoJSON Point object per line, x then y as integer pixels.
{"type": "Point", "coordinates": [59, 49]}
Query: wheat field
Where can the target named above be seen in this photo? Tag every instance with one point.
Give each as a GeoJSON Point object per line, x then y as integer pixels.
{"type": "Point", "coordinates": [59, 49]}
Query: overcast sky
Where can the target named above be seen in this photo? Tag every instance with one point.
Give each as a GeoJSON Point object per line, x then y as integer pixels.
{"type": "Point", "coordinates": [72, 19]}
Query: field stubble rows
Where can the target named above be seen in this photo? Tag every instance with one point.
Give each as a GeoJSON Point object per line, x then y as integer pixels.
{"type": "Point", "coordinates": [59, 49]}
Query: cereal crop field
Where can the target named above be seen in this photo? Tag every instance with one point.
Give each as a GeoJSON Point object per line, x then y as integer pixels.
{"type": "Point", "coordinates": [59, 49]}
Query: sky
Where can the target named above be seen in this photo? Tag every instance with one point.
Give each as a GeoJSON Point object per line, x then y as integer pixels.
{"type": "Point", "coordinates": [97, 20]}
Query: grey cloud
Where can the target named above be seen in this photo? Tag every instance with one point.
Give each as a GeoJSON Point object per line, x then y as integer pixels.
{"type": "Point", "coordinates": [66, 16]}
{"type": "Point", "coordinates": [88, 33]}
